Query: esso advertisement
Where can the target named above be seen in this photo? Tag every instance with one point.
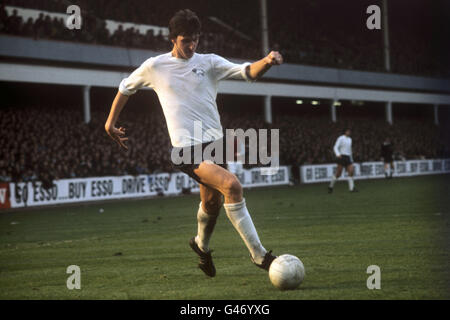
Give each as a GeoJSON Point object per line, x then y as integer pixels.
{"type": "Point", "coordinates": [27, 194]}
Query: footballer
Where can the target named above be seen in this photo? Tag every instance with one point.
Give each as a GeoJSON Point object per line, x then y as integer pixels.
{"type": "Point", "coordinates": [387, 151]}
{"type": "Point", "coordinates": [186, 84]}
{"type": "Point", "coordinates": [343, 151]}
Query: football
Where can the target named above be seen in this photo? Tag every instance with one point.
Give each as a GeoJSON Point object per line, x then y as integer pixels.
{"type": "Point", "coordinates": [286, 272]}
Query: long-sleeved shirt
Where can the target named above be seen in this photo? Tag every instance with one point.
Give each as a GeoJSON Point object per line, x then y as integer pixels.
{"type": "Point", "coordinates": [343, 146]}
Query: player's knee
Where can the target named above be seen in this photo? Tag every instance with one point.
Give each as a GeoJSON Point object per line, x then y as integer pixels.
{"type": "Point", "coordinates": [233, 187]}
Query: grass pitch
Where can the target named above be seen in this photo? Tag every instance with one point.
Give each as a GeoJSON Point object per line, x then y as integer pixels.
{"type": "Point", "coordinates": [139, 249]}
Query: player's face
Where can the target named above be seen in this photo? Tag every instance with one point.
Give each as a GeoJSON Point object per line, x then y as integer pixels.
{"type": "Point", "coordinates": [184, 46]}
{"type": "Point", "coordinates": [347, 133]}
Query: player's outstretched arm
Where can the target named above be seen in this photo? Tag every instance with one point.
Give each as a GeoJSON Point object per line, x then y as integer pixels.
{"type": "Point", "coordinates": [117, 134]}
{"type": "Point", "coordinates": [258, 68]}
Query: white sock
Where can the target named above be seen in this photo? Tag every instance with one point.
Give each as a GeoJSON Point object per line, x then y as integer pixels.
{"type": "Point", "coordinates": [333, 181]}
{"type": "Point", "coordinates": [351, 184]}
{"type": "Point", "coordinates": [205, 227]}
{"type": "Point", "coordinates": [242, 222]}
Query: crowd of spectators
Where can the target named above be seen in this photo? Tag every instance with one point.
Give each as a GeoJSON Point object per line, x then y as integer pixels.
{"type": "Point", "coordinates": [49, 143]}
{"type": "Point", "coordinates": [53, 143]}
{"type": "Point", "coordinates": [215, 38]}
{"type": "Point", "coordinates": [304, 34]}
{"type": "Point", "coordinates": [310, 140]}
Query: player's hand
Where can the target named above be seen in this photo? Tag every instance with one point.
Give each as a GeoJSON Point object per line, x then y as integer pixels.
{"type": "Point", "coordinates": [117, 135]}
{"type": "Point", "coordinates": [339, 156]}
{"type": "Point", "coordinates": [274, 58]}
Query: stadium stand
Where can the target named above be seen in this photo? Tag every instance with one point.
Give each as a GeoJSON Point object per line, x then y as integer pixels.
{"type": "Point", "coordinates": [64, 147]}
{"type": "Point", "coordinates": [218, 39]}
{"type": "Point", "coordinates": [49, 142]}
{"type": "Point", "coordinates": [413, 51]}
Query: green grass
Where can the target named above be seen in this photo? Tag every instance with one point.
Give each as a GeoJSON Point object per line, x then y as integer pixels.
{"type": "Point", "coordinates": [401, 225]}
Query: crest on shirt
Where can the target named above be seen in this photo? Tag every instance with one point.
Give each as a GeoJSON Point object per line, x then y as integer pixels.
{"type": "Point", "coordinates": [199, 72]}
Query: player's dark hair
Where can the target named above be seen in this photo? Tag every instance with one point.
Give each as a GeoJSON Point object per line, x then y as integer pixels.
{"type": "Point", "coordinates": [184, 23]}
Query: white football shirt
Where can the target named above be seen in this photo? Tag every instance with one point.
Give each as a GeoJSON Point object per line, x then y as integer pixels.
{"type": "Point", "coordinates": [343, 146]}
{"type": "Point", "coordinates": [187, 91]}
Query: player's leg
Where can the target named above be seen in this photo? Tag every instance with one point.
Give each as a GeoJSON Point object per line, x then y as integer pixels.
{"type": "Point", "coordinates": [392, 169]}
{"type": "Point", "coordinates": [335, 177]}
{"type": "Point", "coordinates": [351, 184]}
{"type": "Point", "coordinates": [221, 180]}
{"type": "Point", "coordinates": [208, 211]}
{"type": "Point", "coordinates": [386, 169]}
{"type": "Point", "coordinates": [229, 186]}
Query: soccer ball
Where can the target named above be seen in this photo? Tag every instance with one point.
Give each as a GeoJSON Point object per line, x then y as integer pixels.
{"type": "Point", "coordinates": [286, 272]}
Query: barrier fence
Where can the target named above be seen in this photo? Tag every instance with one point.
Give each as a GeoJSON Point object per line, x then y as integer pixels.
{"type": "Point", "coordinates": [27, 194]}
{"type": "Point", "coordinates": [375, 170]}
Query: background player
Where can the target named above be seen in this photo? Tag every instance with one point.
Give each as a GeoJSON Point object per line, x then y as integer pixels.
{"type": "Point", "coordinates": [343, 151]}
{"type": "Point", "coordinates": [236, 166]}
{"type": "Point", "coordinates": [186, 85]}
{"type": "Point", "coordinates": [386, 153]}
